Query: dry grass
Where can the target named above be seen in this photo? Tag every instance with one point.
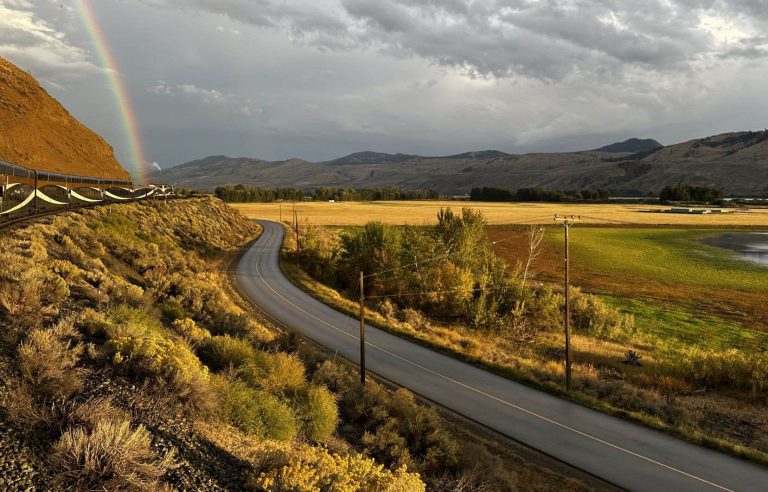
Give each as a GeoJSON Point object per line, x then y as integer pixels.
{"type": "Point", "coordinates": [425, 212]}
{"type": "Point", "coordinates": [110, 456]}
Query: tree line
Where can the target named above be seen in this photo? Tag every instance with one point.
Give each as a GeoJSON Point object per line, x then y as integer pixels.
{"type": "Point", "coordinates": [448, 273]}
{"type": "Point", "coordinates": [491, 194]}
{"type": "Point", "coordinates": [690, 193]}
{"type": "Point", "coordinates": [249, 194]}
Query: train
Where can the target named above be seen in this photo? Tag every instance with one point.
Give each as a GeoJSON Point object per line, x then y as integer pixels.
{"type": "Point", "coordinates": [26, 192]}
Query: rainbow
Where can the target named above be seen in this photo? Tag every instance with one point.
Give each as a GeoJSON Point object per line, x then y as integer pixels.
{"type": "Point", "coordinates": [124, 106]}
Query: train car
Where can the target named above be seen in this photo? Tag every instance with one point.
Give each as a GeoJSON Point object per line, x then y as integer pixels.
{"type": "Point", "coordinates": [25, 192]}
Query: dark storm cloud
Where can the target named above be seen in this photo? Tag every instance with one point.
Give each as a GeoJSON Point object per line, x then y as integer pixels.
{"type": "Point", "coordinates": [503, 38]}
{"type": "Point", "coordinates": [320, 78]}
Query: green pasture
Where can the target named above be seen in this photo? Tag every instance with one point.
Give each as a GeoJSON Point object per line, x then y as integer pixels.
{"type": "Point", "coordinates": [664, 322]}
{"type": "Point", "coordinates": [673, 256]}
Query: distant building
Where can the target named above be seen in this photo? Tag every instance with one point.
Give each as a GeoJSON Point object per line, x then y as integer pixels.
{"type": "Point", "coordinates": [694, 211]}
{"type": "Point", "coordinates": [460, 198]}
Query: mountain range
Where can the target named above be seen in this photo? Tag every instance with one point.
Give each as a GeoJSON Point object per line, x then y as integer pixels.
{"type": "Point", "coordinates": [736, 162]}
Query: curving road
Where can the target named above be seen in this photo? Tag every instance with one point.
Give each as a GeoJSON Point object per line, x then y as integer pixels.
{"type": "Point", "coordinates": [620, 452]}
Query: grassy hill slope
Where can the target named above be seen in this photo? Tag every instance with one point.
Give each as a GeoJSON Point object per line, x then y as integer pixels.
{"type": "Point", "coordinates": [129, 364]}
{"type": "Point", "coordinates": [36, 131]}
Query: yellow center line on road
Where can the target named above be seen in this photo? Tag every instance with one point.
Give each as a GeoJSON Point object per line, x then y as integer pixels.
{"type": "Point", "coordinates": [517, 407]}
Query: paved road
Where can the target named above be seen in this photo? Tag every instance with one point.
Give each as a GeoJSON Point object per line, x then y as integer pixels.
{"type": "Point", "coordinates": [623, 453]}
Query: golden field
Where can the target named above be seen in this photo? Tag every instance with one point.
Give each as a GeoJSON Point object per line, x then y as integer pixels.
{"type": "Point", "coordinates": [425, 212]}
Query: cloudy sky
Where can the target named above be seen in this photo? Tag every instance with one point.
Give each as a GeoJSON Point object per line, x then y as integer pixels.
{"type": "Point", "coordinates": [318, 79]}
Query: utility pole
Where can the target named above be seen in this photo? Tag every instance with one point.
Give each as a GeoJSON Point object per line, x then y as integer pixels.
{"type": "Point", "coordinates": [4, 182]}
{"type": "Point", "coordinates": [362, 329]}
{"type": "Point", "coordinates": [296, 229]}
{"type": "Point", "coordinates": [567, 222]}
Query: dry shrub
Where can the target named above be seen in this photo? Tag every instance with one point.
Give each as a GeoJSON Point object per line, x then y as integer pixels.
{"type": "Point", "coordinates": [188, 329]}
{"type": "Point", "coordinates": [226, 351]}
{"type": "Point", "coordinates": [334, 376]}
{"type": "Point", "coordinates": [93, 411]}
{"type": "Point", "coordinates": [48, 361]}
{"type": "Point", "coordinates": [172, 362]}
{"type": "Point", "coordinates": [415, 319]}
{"type": "Point", "coordinates": [29, 293]}
{"type": "Point", "coordinates": [389, 310]}
{"type": "Point", "coordinates": [93, 323]}
{"type": "Point", "coordinates": [110, 456]}
{"type": "Point", "coordinates": [730, 368]}
{"type": "Point", "coordinates": [23, 410]}
{"type": "Point", "coordinates": [124, 292]}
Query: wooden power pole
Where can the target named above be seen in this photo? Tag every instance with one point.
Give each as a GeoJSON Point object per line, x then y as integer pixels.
{"type": "Point", "coordinates": [567, 223]}
{"type": "Point", "coordinates": [362, 330]}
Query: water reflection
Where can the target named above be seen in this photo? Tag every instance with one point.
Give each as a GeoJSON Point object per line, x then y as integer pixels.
{"type": "Point", "coordinates": [752, 246]}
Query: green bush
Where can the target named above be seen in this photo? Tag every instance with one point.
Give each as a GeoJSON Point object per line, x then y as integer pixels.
{"type": "Point", "coordinates": [255, 412]}
{"type": "Point", "coordinates": [279, 419]}
{"type": "Point", "coordinates": [319, 413]}
{"type": "Point", "coordinates": [276, 373]}
{"type": "Point", "coordinates": [173, 310]}
{"type": "Point", "coordinates": [133, 321]}
{"type": "Point", "coordinates": [591, 316]}
{"type": "Point", "coordinates": [225, 351]}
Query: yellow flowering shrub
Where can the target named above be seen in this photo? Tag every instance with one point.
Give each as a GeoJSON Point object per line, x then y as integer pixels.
{"type": "Point", "coordinates": [315, 469]}
{"type": "Point", "coordinates": [151, 355]}
{"type": "Point", "coordinates": [188, 329]}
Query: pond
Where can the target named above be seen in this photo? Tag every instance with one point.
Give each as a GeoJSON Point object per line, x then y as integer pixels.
{"type": "Point", "coordinates": [752, 246]}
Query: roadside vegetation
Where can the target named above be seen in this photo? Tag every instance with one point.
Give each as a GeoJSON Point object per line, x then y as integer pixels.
{"type": "Point", "coordinates": [130, 365]}
{"type": "Point", "coordinates": [445, 287]}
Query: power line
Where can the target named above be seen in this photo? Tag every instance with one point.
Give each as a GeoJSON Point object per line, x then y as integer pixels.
{"type": "Point", "coordinates": [427, 292]}
{"type": "Point", "coordinates": [624, 222]}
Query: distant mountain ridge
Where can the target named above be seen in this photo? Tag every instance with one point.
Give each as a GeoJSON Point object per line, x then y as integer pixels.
{"type": "Point", "coordinates": [632, 146]}
{"type": "Point", "coordinates": [736, 162]}
{"type": "Point", "coordinates": [368, 157]}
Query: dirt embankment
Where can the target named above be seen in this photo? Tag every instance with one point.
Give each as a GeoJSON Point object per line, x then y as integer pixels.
{"type": "Point", "coordinates": [36, 131]}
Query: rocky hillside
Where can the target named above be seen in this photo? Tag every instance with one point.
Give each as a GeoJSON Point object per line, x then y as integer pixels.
{"type": "Point", "coordinates": [129, 363]}
{"type": "Point", "coordinates": [36, 131]}
{"type": "Point", "coordinates": [737, 162]}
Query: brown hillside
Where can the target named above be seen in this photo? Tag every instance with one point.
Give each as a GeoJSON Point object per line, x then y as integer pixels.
{"type": "Point", "coordinates": [36, 131]}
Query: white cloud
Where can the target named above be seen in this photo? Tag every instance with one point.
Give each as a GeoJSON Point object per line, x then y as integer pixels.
{"type": "Point", "coordinates": [208, 97]}
{"type": "Point", "coordinates": [36, 45]}
{"type": "Point", "coordinates": [543, 40]}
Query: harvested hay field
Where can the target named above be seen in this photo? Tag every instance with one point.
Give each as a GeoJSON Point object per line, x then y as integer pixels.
{"type": "Point", "coordinates": [425, 212]}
